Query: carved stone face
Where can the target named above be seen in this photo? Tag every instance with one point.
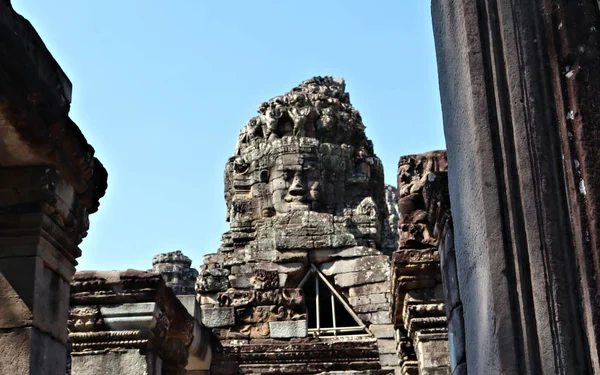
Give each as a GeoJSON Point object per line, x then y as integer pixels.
{"type": "Point", "coordinates": [295, 183]}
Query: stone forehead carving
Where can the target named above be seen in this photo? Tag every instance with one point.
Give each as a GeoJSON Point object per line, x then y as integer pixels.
{"type": "Point", "coordinates": [318, 108]}
{"type": "Point", "coordinates": [305, 151]}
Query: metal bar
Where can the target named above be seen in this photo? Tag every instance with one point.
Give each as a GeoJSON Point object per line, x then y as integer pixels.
{"type": "Point", "coordinates": [305, 279]}
{"type": "Point", "coordinates": [333, 290]}
{"type": "Point", "coordinates": [317, 303]}
{"type": "Point", "coordinates": [333, 312]}
{"type": "Point", "coordinates": [332, 337]}
{"type": "Point", "coordinates": [339, 329]}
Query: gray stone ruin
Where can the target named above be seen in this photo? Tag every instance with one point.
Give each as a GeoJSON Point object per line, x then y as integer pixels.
{"type": "Point", "coordinates": [307, 210]}
{"type": "Point", "coordinates": [177, 271]}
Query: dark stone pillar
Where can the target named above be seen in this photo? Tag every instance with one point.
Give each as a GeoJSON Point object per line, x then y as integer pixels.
{"type": "Point", "coordinates": [41, 224]}
{"type": "Point", "coordinates": [49, 183]}
{"type": "Point", "coordinates": [520, 105]}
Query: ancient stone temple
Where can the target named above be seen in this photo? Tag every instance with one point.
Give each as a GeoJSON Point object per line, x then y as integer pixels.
{"type": "Point", "coordinates": [483, 260]}
{"type": "Point", "coordinates": [301, 282]}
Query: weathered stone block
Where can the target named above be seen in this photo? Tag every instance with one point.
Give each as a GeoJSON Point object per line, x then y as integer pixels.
{"type": "Point", "coordinates": [178, 274]}
{"type": "Point", "coordinates": [380, 317]}
{"type": "Point", "coordinates": [213, 317]}
{"type": "Point", "coordinates": [13, 310]}
{"type": "Point", "coordinates": [214, 258]}
{"type": "Point", "coordinates": [369, 289]}
{"type": "Point", "coordinates": [432, 353]}
{"type": "Point", "coordinates": [44, 293]}
{"type": "Point", "coordinates": [290, 257]}
{"type": "Point", "coordinates": [364, 277]}
{"type": "Point", "coordinates": [293, 242]}
{"type": "Point", "coordinates": [30, 351]}
{"type": "Point", "coordinates": [389, 360]}
{"type": "Point", "coordinates": [289, 329]}
{"type": "Point", "coordinates": [353, 265]}
{"type": "Point", "coordinates": [130, 316]}
{"type": "Point", "coordinates": [217, 272]}
{"type": "Point", "coordinates": [382, 331]}
{"type": "Point", "coordinates": [247, 269]}
{"type": "Point", "coordinates": [293, 268]}
{"type": "Point", "coordinates": [323, 255]}
{"type": "Point", "coordinates": [124, 362]}
{"type": "Point", "coordinates": [241, 281]}
{"type": "Point", "coordinates": [343, 240]}
{"type": "Point", "coordinates": [372, 307]}
{"type": "Point", "coordinates": [386, 346]}
{"type": "Point", "coordinates": [426, 295]}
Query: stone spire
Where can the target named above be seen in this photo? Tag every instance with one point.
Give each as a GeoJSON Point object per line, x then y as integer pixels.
{"type": "Point", "coordinates": [306, 203]}
{"type": "Point", "coordinates": [176, 270]}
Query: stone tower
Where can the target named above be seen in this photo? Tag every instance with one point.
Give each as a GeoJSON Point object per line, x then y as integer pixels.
{"type": "Point", "coordinates": [176, 269]}
{"type": "Point", "coordinates": [300, 283]}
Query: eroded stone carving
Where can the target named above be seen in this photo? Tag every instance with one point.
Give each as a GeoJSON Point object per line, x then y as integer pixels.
{"type": "Point", "coordinates": [177, 272]}
{"type": "Point", "coordinates": [418, 301]}
{"type": "Point", "coordinates": [304, 186]}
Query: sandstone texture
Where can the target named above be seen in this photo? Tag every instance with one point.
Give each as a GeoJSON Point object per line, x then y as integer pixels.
{"type": "Point", "coordinates": [306, 205]}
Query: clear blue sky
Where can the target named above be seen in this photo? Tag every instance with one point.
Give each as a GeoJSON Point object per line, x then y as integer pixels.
{"type": "Point", "coordinates": [161, 89]}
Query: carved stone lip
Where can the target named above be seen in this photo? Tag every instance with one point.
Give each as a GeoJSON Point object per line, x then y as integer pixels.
{"type": "Point", "coordinates": [296, 199]}
{"type": "Point", "coordinates": [299, 205]}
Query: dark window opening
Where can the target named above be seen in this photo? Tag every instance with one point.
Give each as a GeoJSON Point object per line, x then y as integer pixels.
{"type": "Point", "coordinates": [328, 314]}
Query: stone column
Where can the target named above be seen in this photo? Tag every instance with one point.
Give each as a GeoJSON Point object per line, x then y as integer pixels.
{"type": "Point", "coordinates": [127, 323]}
{"type": "Point", "coordinates": [418, 301]}
{"type": "Point", "coordinates": [41, 223]}
{"type": "Point", "coordinates": [49, 183]}
{"type": "Point", "coordinates": [521, 117]}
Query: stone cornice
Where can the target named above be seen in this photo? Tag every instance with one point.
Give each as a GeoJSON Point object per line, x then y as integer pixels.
{"type": "Point", "coordinates": [117, 287]}
{"type": "Point", "coordinates": [300, 355]}
{"type": "Point", "coordinates": [128, 310]}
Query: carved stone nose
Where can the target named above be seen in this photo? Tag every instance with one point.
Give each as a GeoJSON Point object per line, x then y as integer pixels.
{"type": "Point", "coordinates": [296, 188]}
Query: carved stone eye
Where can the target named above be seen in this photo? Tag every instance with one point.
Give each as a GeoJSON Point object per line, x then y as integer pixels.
{"type": "Point", "coordinates": [240, 166]}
